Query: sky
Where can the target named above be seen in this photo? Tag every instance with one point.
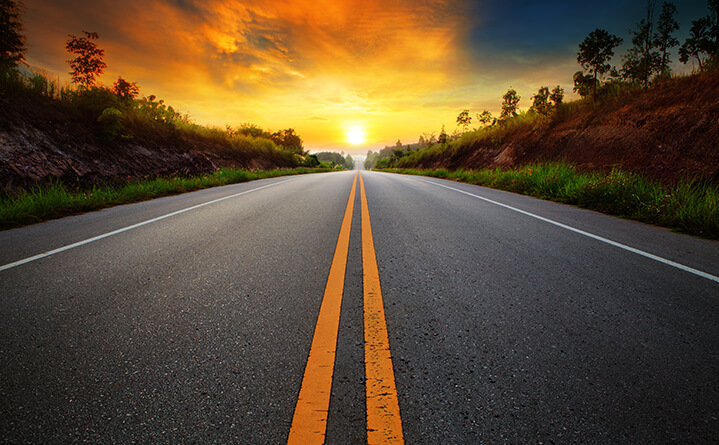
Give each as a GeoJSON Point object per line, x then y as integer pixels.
{"type": "Point", "coordinates": [376, 70]}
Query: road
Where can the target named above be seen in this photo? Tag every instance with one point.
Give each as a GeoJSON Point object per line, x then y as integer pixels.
{"type": "Point", "coordinates": [190, 319]}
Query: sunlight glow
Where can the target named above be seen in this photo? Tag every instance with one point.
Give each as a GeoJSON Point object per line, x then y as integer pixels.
{"type": "Point", "coordinates": [355, 136]}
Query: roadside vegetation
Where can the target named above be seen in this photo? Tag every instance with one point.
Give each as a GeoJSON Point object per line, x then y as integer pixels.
{"type": "Point", "coordinates": [644, 66]}
{"type": "Point", "coordinates": [688, 206]}
{"type": "Point", "coordinates": [55, 199]}
{"type": "Point", "coordinates": [117, 115]}
{"type": "Point", "coordinates": [638, 143]}
{"type": "Point", "coordinates": [114, 117]}
{"type": "Point", "coordinates": [111, 120]}
{"type": "Point", "coordinates": [331, 159]}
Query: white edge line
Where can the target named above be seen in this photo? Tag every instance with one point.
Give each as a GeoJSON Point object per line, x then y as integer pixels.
{"type": "Point", "coordinates": [587, 234]}
{"type": "Point", "coordinates": [134, 226]}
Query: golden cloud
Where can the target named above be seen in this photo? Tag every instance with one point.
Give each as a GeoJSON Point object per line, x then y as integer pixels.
{"type": "Point", "coordinates": [392, 68]}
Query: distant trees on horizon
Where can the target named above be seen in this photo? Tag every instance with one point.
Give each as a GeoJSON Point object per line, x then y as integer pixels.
{"type": "Point", "coordinates": [333, 159]}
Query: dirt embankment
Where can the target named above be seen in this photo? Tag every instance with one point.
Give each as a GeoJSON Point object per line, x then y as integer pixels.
{"type": "Point", "coordinates": [667, 133]}
{"type": "Point", "coordinates": [39, 142]}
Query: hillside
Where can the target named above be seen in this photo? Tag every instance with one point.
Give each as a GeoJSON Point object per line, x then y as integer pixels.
{"type": "Point", "coordinates": [667, 132]}
{"type": "Point", "coordinates": [43, 136]}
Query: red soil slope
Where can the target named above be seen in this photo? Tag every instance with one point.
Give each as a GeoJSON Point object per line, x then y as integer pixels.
{"type": "Point", "coordinates": [667, 133]}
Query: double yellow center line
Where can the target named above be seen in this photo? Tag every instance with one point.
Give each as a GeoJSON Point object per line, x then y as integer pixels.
{"type": "Point", "coordinates": [384, 424]}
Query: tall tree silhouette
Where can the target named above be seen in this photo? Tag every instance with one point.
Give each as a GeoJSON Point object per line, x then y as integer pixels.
{"type": "Point", "coordinates": [12, 42]}
{"type": "Point", "coordinates": [88, 64]}
{"type": "Point", "coordinates": [594, 53]}
{"type": "Point", "coordinates": [540, 102]}
{"type": "Point", "coordinates": [509, 104]}
{"type": "Point", "coordinates": [464, 119]}
{"type": "Point", "coordinates": [663, 39]}
{"type": "Point", "coordinates": [642, 60]}
{"type": "Point", "coordinates": [703, 40]}
{"type": "Point", "coordinates": [125, 90]}
{"type": "Point", "coordinates": [557, 96]}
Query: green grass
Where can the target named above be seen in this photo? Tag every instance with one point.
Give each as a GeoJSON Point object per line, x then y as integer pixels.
{"type": "Point", "coordinates": [689, 206]}
{"type": "Point", "coordinates": [114, 121]}
{"type": "Point", "coordinates": [55, 200]}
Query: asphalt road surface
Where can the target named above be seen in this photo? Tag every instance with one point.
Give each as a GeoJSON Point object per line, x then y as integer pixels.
{"type": "Point", "coordinates": [190, 319]}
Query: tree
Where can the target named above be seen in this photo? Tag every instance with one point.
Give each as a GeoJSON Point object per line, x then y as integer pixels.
{"type": "Point", "coordinates": [584, 84]}
{"type": "Point", "coordinates": [443, 137]}
{"type": "Point", "coordinates": [334, 159]}
{"type": "Point", "coordinates": [509, 104]}
{"type": "Point", "coordinates": [12, 42]}
{"type": "Point", "coordinates": [421, 143]}
{"type": "Point", "coordinates": [371, 159]}
{"type": "Point", "coordinates": [663, 39]}
{"type": "Point", "coordinates": [594, 54]}
{"type": "Point", "coordinates": [486, 118]}
{"type": "Point", "coordinates": [252, 130]}
{"type": "Point", "coordinates": [429, 139]}
{"type": "Point", "coordinates": [696, 43]}
{"type": "Point", "coordinates": [703, 40]}
{"type": "Point", "coordinates": [349, 162]}
{"type": "Point", "coordinates": [88, 64]}
{"type": "Point", "coordinates": [557, 95]}
{"type": "Point", "coordinates": [641, 61]}
{"type": "Point", "coordinates": [288, 140]}
{"type": "Point", "coordinates": [540, 102]}
{"type": "Point", "coordinates": [125, 90]}
{"type": "Point", "coordinates": [713, 25]}
{"type": "Point", "coordinates": [464, 119]}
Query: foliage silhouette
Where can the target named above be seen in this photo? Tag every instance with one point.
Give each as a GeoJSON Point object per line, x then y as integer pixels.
{"type": "Point", "coordinates": [642, 60]}
{"type": "Point", "coordinates": [88, 64]}
{"type": "Point", "coordinates": [509, 105]}
{"type": "Point", "coordinates": [664, 39]}
{"type": "Point", "coordinates": [594, 54]}
{"type": "Point", "coordinates": [12, 41]}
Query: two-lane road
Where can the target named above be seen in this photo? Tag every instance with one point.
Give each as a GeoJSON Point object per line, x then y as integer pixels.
{"type": "Point", "coordinates": [191, 319]}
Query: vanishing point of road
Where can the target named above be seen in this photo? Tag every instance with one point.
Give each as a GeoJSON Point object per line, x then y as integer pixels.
{"type": "Point", "coordinates": [356, 308]}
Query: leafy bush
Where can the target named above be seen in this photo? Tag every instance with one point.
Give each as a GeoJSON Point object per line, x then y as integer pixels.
{"type": "Point", "coordinates": [93, 101]}
{"type": "Point", "coordinates": [111, 121]}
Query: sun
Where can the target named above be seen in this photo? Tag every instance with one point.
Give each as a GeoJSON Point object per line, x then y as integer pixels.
{"type": "Point", "coordinates": [355, 136]}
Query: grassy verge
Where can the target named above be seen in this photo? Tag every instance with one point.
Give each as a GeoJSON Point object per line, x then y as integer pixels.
{"type": "Point", "coordinates": [688, 206]}
{"type": "Point", "coordinates": [56, 200]}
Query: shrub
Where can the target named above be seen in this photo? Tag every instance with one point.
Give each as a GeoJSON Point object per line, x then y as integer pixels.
{"type": "Point", "coordinates": [93, 101]}
{"type": "Point", "coordinates": [111, 121]}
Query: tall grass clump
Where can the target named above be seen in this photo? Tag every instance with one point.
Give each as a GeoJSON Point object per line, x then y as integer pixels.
{"type": "Point", "coordinates": [688, 206]}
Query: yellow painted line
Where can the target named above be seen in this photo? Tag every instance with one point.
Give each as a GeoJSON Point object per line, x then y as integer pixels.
{"type": "Point", "coordinates": [384, 424]}
{"type": "Point", "coordinates": [309, 423]}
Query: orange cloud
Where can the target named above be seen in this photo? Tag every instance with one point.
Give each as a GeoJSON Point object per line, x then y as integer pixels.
{"type": "Point", "coordinates": [394, 69]}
